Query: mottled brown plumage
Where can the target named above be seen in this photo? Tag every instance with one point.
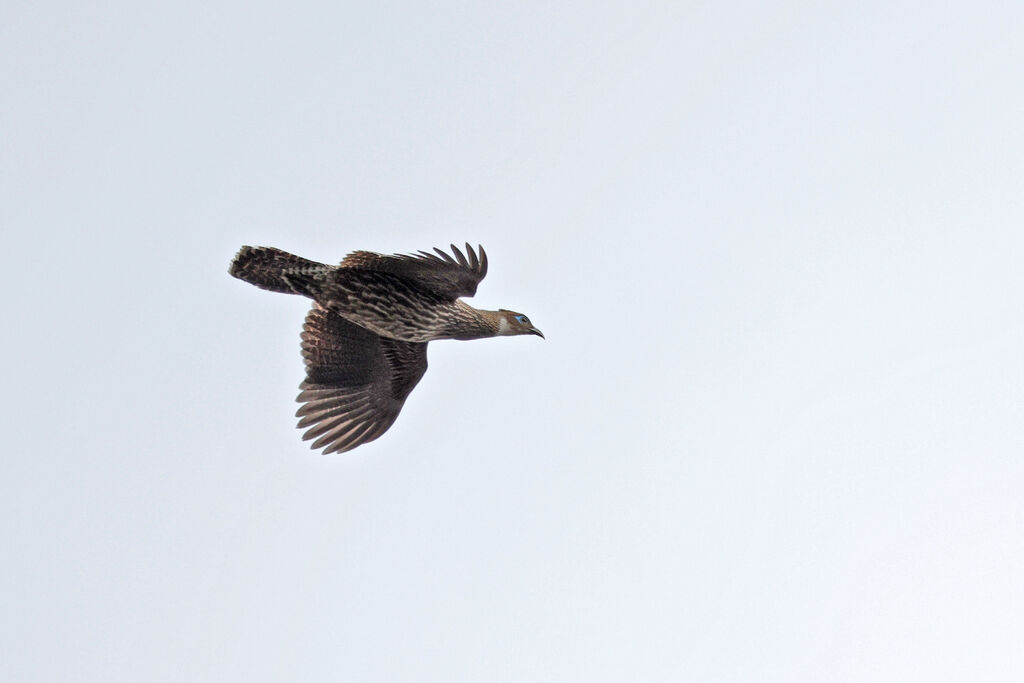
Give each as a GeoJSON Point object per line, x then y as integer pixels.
{"type": "Point", "coordinates": [364, 341]}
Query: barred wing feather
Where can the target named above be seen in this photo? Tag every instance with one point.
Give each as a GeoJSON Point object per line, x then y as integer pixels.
{"type": "Point", "coordinates": [356, 382]}
{"type": "Point", "coordinates": [447, 275]}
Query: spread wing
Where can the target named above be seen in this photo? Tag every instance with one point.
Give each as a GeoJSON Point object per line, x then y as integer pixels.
{"type": "Point", "coordinates": [356, 382]}
{"type": "Point", "coordinates": [441, 273]}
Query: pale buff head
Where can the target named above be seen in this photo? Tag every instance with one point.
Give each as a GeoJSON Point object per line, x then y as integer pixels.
{"type": "Point", "coordinates": [511, 323]}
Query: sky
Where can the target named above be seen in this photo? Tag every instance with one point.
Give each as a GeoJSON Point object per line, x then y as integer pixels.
{"type": "Point", "coordinates": [775, 432]}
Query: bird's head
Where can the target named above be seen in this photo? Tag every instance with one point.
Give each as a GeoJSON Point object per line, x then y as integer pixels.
{"type": "Point", "coordinates": [511, 323]}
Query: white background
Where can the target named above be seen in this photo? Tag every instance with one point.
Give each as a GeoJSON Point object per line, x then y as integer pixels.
{"type": "Point", "coordinates": [775, 432]}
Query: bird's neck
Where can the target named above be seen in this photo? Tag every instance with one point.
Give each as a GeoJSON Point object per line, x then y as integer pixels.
{"type": "Point", "coordinates": [474, 323]}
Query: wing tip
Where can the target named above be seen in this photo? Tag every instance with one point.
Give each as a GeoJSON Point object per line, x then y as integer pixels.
{"type": "Point", "coordinates": [483, 261]}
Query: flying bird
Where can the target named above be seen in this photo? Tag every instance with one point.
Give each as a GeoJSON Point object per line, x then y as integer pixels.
{"type": "Point", "coordinates": [365, 339]}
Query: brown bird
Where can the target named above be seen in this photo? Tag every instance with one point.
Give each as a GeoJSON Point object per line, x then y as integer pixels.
{"type": "Point", "coordinates": [365, 339]}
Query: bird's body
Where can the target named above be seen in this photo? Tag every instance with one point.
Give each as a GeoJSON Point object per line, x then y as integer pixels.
{"type": "Point", "coordinates": [396, 308]}
{"type": "Point", "coordinates": [365, 339]}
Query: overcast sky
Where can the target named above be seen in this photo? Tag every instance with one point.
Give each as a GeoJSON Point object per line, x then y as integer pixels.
{"type": "Point", "coordinates": [775, 432]}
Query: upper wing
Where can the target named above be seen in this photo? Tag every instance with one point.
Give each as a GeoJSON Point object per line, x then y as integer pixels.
{"type": "Point", "coordinates": [446, 276]}
{"type": "Point", "coordinates": [356, 382]}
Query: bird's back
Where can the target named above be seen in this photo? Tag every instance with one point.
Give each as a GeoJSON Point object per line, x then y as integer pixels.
{"type": "Point", "coordinates": [404, 297]}
{"type": "Point", "coordinates": [387, 304]}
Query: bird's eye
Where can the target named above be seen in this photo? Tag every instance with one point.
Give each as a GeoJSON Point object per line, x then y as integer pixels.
{"type": "Point", "coordinates": [523, 319]}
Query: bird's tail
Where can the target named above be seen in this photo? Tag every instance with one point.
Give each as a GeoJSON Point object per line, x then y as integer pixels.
{"type": "Point", "coordinates": [276, 270]}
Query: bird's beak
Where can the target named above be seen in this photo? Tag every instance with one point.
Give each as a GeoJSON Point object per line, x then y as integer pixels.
{"type": "Point", "coordinates": [534, 330]}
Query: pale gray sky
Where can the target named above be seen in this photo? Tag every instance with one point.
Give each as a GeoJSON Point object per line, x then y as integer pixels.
{"type": "Point", "coordinates": [775, 432]}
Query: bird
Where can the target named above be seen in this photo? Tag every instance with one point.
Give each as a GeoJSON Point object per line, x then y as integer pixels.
{"type": "Point", "coordinates": [364, 340]}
